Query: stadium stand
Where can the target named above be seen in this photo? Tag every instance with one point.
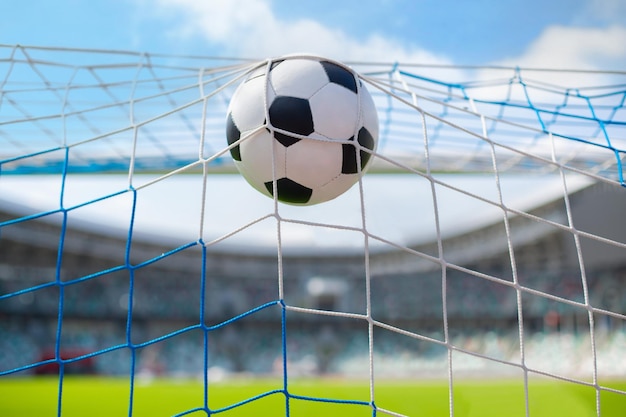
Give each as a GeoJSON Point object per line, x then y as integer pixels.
{"type": "Point", "coordinates": [406, 292]}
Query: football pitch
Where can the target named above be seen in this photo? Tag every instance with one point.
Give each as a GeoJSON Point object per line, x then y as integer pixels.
{"type": "Point", "coordinates": [98, 396]}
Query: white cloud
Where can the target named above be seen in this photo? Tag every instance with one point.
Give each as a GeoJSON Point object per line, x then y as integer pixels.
{"type": "Point", "coordinates": [576, 47]}
{"type": "Point", "coordinates": [606, 11]}
{"type": "Point", "coordinates": [250, 28]}
{"type": "Point", "coordinates": [563, 48]}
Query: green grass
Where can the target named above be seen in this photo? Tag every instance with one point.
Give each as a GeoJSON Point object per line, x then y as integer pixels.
{"type": "Point", "coordinates": [96, 396]}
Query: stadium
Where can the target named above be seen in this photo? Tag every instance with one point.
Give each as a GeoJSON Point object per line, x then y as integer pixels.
{"type": "Point", "coordinates": [486, 244]}
{"type": "Point", "coordinates": [406, 293]}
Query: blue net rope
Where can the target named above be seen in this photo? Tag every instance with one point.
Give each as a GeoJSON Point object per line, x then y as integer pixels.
{"type": "Point", "coordinates": [112, 110]}
{"type": "Point", "coordinates": [65, 112]}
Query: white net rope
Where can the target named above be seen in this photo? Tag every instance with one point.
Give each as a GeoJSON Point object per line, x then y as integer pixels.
{"type": "Point", "coordinates": [55, 99]}
{"type": "Point", "coordinates": [498, 252]}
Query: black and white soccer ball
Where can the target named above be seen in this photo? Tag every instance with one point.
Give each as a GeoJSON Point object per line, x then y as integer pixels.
{"type": "Point", "coordinates": [308, 129]}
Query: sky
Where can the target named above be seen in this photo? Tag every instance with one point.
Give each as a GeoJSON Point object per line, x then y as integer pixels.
{"type": "Point", "coordinates": [579, 34]}
{"type": "Point", "coordinates": [541, 33]}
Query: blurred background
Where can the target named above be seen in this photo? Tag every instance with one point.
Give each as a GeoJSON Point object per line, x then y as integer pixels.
{"type": "Point", "coordinates": [442, 255]}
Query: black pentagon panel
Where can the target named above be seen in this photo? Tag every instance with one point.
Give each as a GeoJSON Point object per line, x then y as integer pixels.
{"type": "Point", "coordinates": [339, 75]}
{"type": "Point", "coordinates": [291, 114]}
{"type": "Point", "coordinates": [232, 135]}
{"type": "Point", "coordinates": [366, 140]}
{"type": "Point", "coordinates": [349, 165]}
{"type": "Point", "coordinates": [290, 191]}
{"type": "Point", "coordinates": [285, 140]}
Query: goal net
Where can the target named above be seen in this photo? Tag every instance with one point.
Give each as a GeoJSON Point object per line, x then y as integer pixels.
{"type": "Point", "coordinates": [486, 241]}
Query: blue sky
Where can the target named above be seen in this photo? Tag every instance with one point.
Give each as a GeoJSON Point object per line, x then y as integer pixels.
{"type": "Point", "coordinates": [584, 34]}
{"type": "Point", "coordinates": [552, 33]}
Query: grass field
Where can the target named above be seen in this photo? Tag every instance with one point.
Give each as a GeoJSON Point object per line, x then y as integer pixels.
{"type": "Point", "coordinates": [94, 396]}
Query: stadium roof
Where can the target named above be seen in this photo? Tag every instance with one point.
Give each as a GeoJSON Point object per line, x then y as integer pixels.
{"type": "Point", "coordinates": [399, 208]}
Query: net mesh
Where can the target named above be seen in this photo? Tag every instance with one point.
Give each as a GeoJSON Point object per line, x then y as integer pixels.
{"type": "Point", "coordinates": [533, 263]}
{"type": "Point", "coordinates": [106, 108]}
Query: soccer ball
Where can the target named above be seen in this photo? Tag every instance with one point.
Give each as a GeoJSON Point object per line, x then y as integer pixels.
{"type": "Point", "coordinates": [306, 126]}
